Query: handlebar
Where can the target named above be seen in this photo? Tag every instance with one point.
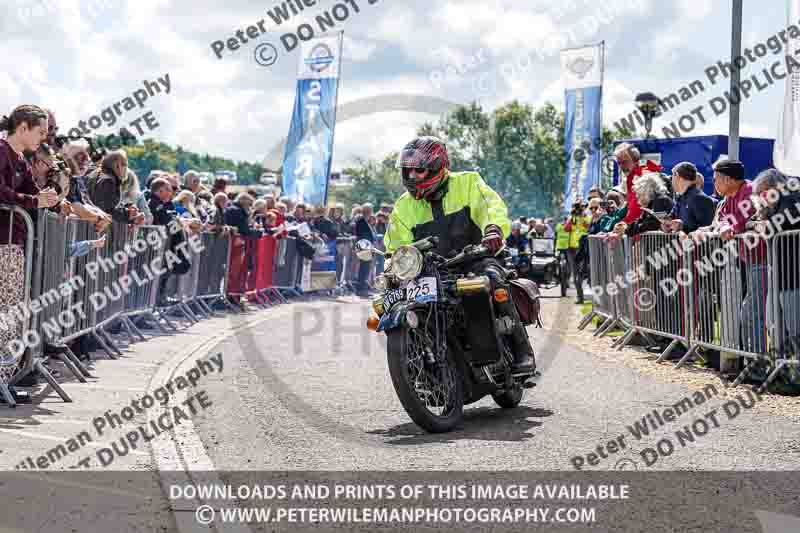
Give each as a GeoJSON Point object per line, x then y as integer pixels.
{"type": "Point", "coordinates": [426, 244]}
{"type": "Point", "coordinates": [470, 252]}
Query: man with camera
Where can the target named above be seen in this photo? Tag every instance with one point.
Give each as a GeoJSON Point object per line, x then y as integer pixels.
{"type": "Point", "coordinates": [51, 172]}
{"type": "Point", "coordinates": [575, 227]}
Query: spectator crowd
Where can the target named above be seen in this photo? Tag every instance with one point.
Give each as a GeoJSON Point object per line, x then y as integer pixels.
{"type": "Point", "coordinates": [40, 170]}
{"type": "Point", "coordinates": [649, 200]}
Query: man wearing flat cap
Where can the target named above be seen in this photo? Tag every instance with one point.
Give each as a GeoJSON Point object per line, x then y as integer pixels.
{"type": "Point", "coordinates": [736, 191]}
{"type": "Point", "coordinates": [737, 209]}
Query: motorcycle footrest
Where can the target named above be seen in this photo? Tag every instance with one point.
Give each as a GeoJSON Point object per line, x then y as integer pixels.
{"type": "Point", "coordinates": [528, 385]}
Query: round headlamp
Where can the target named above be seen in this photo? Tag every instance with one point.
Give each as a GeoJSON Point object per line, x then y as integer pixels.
{"type": "Point", "coordinates": [406, 263]}
{"type": "Point", "coordinates": [381, 283]}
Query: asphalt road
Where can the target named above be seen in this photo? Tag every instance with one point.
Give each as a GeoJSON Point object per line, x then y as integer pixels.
{"type": "Point", "coordinates": [309, 390]}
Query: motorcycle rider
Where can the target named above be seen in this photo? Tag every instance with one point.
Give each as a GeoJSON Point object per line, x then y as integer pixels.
{"type": "Point", "coordinates": [460, 209]}
{"type": "Point", "coordinates": [517, 239]}
{"type": "Point", "coordinates": [539, 231]}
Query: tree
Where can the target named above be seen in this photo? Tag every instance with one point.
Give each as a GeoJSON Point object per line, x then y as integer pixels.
{"type": "Point", "coordinates": [518, 150]}
{"type": "Point", "coordinates": [152, 155]}
{"type": "Point", "coordinates": [374, 182]}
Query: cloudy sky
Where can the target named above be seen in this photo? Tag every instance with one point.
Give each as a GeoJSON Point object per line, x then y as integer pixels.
{"type": "Point", "coordinates": [80, 57]}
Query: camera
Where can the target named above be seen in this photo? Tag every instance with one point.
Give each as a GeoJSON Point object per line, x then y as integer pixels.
{"type": "Point", "coordinates": [59, 167]}
{"type": "Point", "coordinates": [59, 176]}
{"type": "Point", "coordinates": [577, 209]}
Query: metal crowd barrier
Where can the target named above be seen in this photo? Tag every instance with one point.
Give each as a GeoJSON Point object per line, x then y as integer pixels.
{"type": "Point", "coordinates": [79, 230]}
{"type": "Point", "coordinates": [657, 309]}
{"type": "Point", "coordinates": [625, 269]}
{"type": "Point", "coordinates": [784, 312]}
{"type": "Point", "coordinates": [740, 296]}
{"type": "Point", "coordinates": [183, 288]}
{"type": "Point", "coordinates": [212, 277]}
{"type": "Point", "coordinates": [141, 300]}
{"type": "Point", "coordinates": [621, 264]}
{"type": "Point", "coordinates": [600, 276]}
{"type": "Point", "coordinates": [60, 298]}
{"type": "Point", "coordinates": [287, 266]}
{"type": "Point", "coordinates": [323, 275]}
{"type": "Point", "coordinates": [53, 297]}
{"type": "Point", "coordinates": [108, 302]}
{"type": "Point", "coordinates": [13, 367]}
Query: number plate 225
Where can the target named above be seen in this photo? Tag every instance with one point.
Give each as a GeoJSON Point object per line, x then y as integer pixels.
{"type": "Point", "coordinates": [422, 290]}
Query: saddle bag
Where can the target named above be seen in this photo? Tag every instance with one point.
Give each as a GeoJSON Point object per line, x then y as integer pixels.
{"type": "Point", "coordinates": [525, 294]}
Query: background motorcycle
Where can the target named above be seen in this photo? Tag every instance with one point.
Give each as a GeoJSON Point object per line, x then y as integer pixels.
{"type": "Point", "coordinates": [446, 346]}
{"type": "Point", "coordinates": [548, 268]}
{"type": "Point", "coordinates": [519, 260]}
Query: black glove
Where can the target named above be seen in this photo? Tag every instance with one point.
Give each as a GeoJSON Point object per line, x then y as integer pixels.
{"type": "Point", "coordinates": [493, 238]}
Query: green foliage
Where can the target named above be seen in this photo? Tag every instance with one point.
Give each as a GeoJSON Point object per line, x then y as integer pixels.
{"type": "Point", "coordinates": [153, 155]}
{"type": "Point", "coordinates": [374, 182]}
{"type": "Point", "coordinates": [518, 150]}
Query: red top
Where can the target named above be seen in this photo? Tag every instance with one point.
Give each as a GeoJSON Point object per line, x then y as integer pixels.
{"type": "Point", "coordinates": [16, 188]}
{"type": "Point", "coordinates": [634, 209]}
{"type": "Point", "coordinates": [736, 211]}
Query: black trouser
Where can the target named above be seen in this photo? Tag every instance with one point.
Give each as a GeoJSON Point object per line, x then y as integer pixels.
{"type": "Point", "coordinates": [575, 268]}
{"type": "Point", "coordinates": [363, 275]}
{"type": "Point", "coordinates": [162, 286]}
{"type": "Point", "coordinates": [499, 280]}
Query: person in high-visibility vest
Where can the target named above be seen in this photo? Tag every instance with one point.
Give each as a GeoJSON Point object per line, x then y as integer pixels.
{"type": "Point", "coordinates": [562, 238]}
{"type": "Point", "coordinates": [562, 245]}
{"type": "Point", "coordinates": [575, 227]}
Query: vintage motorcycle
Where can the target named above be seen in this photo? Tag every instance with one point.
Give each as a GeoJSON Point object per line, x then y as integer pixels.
{"type": "Point", "coordinates": [519, 260]}
{"type": "Point", "coordinates": [548, 268]}
{"type": "Point", "coordinates": [446, 346]}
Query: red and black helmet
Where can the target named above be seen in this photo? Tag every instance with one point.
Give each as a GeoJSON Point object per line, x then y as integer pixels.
{"type": "Point", "coordinates": [428, 153]}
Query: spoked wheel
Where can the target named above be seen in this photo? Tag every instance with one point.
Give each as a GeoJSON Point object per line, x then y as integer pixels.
{"type": "Point", "coordinates": [509, 398]}
{"type": "Point", "coordinates": [431, 394]}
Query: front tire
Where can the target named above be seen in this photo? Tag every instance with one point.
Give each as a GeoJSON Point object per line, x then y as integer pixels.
{"type": "Point", "coordinates": [433, 403]}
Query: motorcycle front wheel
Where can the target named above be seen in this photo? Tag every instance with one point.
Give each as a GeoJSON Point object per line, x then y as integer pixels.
{"type": "Point", "coordinates": [432, 395]}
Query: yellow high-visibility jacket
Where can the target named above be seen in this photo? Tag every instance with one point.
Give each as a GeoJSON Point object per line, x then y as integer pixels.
{"type": "Point", "coordinates": [580, 227]}
{"type": "Point", "coordinates": [459, 218]}
{"type": "Point", "coordinates": [562, 238]}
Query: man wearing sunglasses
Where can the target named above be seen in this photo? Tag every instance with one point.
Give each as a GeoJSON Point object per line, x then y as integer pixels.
{"type": "Point", "coordinates": [460, 209]}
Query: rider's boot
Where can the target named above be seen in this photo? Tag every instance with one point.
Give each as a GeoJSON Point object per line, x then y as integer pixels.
{"type": "Point", "coordinates": [524, 361]}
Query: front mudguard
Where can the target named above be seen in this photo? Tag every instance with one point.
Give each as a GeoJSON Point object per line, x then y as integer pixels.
{"type": "Point", "coordinates": [394, 317]}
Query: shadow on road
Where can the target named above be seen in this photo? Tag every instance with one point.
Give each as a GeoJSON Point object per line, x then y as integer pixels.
{"type": "Point", "coordinates": [483, 423]}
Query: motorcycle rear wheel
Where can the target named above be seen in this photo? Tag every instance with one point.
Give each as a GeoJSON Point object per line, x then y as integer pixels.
{"type": "Point", "coordinates": [421, 391]}
{"type": "Point", "coordinates": [508, 399]}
